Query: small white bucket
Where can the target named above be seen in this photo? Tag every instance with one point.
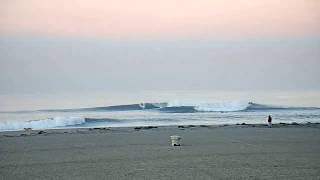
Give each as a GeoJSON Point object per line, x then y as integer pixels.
{"type": "Point", "coordinates": [175, 140]}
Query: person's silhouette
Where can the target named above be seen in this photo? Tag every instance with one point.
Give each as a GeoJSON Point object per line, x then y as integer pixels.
{"type": "Point", "coordinates": [269, 121]}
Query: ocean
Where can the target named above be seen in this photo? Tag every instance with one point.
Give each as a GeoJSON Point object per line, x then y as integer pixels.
{"type": "Point", "coordinates": [210, 109]}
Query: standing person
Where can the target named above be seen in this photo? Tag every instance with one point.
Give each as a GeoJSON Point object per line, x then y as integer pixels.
{"type": "Point", "coordinates": [269, 121]}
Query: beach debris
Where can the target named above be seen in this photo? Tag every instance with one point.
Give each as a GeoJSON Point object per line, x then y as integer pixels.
{"type": "Point", "coordinates": [188, 126]}
{"type": "Point", "coordinates": [294, 123]}
{"type": "Point", "coordinates": [41, 132]}
{"type": "Point", "coordinates": [241, 124]}
{"type": "Point", "coordinates": [28, 129]}
{"type": "Point", "coordinates": [175, 140]}
{"type": "Point", "coordinates": [224, 125]}
{"type": "Point", "coordinates": [98, 128]}
{"type": "Point", "coordinates": [145, 127]}
{"type": "Point", "coordinates": [204, 126]}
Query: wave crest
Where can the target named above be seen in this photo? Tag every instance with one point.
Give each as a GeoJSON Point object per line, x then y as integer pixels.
{"type": "Point", "coordinates": [225, 106]}
{"type": "Point", "coordinates": [43, 123]}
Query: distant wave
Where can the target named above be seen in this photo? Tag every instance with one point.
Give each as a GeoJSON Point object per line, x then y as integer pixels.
{"type": "Point", "coordinates": [263, 107]}
{"type": "Point", "coordinates": [183, 107]}
{"type": "Point", "coordinates": [124, 107]}
{"type": "Point", "coordinates": [42, 123]}
{"type": "Point", "coordinates": [219, 106]}
{"type": "Point", "coordinates": [157, 118]}
{"type": "Point", "coordinates": [223, 106]}
{"type": "Point", "coordinates": [170, 107]}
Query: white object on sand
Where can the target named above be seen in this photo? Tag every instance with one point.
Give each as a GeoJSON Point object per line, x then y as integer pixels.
{"type": "Point", "coordinates": [175, 140]}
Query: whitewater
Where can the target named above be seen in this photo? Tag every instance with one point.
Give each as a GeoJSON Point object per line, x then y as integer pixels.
{"type": "Point", "coordinates": [158, 114]}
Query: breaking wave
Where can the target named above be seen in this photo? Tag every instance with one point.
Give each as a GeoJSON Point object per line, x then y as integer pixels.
{"type": "Point", "coordinates": [42, 123]}
{"type": "Point", "coordinates": [187, 107]}
{"type": "Point", "coordinates": [225, 106]}
{"type": "Point", "coordinates": [200, 113]}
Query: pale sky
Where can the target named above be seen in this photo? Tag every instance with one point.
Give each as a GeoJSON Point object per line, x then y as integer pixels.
{"type": "Point", "coordinates": [75, 45]}
{"type": "Point", "coordinates": [139, 18]}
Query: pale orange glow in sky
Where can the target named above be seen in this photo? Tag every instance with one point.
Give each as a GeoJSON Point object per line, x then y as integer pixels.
{"type": "Point", "coordinates": [144, 18]}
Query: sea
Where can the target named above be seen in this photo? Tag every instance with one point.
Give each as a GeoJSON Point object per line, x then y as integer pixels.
{"type": "Point", "coordinates": [156, 109]}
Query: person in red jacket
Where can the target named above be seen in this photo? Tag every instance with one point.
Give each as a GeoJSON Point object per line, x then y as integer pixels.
{"type": "Point", "coordinates": [269, 121]}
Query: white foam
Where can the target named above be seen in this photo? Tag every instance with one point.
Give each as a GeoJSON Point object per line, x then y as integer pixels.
{"type": "Point", "coordinates": [213, 106]}
{"type": "Point", "coordinates": [42, 124]}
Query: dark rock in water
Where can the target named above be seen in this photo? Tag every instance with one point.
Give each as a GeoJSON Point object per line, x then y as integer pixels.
{"type": "Point", "coordinates": [294, 123]}
{"type": "Point", "coordinates": [241, 124]}
{"type": "Point", "coordinates": [282, 123]}
{"type": "Point", "coordinates": [191, 126]}
{"type": "Point", "coordinates": [145, 127]}
{"type": "Point", "coordinates": [23, 134]}
{"type": "Point", "coordinates": [149, 127]}
{"type": "Point", "coordinates": [97, 128]}
{"type": "Point", "coordinates": [41, 132]}
{"type": "Point", "coordinates": [204, 126]}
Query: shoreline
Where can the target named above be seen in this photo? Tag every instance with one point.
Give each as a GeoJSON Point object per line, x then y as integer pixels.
{"type": "Point", "coordinates": [34, 132]}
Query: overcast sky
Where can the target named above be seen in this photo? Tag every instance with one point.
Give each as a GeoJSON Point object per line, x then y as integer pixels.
{"type": "Point", "coordinates": [122, 45]}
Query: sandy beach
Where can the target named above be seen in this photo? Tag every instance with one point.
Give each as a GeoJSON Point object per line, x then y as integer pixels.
{"type": "Point", "coordinates": [207, 152]}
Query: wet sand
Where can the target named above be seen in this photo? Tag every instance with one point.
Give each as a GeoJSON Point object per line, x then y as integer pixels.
{"type": "Point", "coordinates": [207, 152]}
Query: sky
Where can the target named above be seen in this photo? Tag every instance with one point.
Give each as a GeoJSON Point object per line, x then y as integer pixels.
{"type": "Point", "coordinates": [122, 45]}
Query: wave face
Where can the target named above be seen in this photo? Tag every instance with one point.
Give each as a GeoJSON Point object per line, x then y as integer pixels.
{"type": "Point", "coordinates": [156, 114]}
{"type": "Point", "coordinates": [178, 109]}
{"type": "Point", "coordinates": [186, 107]}
{"type": "Point", "coordinates": [42, 124]}
{"type": "Point", "coordinates": [222, 106]}
{"type": "Point", "coordinates": [264, 107]}
{"type": "Point", "coordinates": [124, 107]}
